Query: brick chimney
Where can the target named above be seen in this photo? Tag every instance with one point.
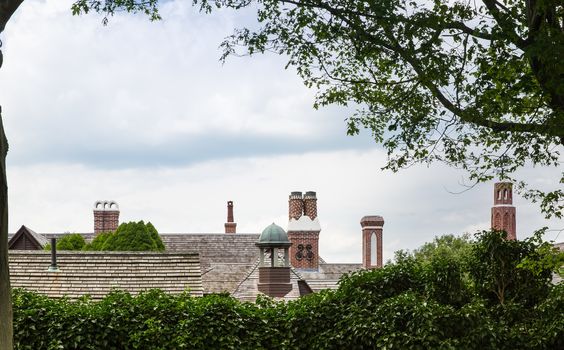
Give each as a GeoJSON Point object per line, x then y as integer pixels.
{"type": "Point", "coordinates": [230, 225]}
{"type": "Point", "coordinates": [503, 211]}
{"type": "Point", "coordinates": [295, 205]}
{"type": "Point", "coordinates": [310, 205]}
{"type": "Point", "coordinates": [303, 231]}
{"type": "Point", "coordinates": [372, 241]}
{"type": "Point", "coordinates": [106, 216]}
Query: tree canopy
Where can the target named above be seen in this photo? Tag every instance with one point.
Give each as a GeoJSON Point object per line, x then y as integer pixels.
{"type": "Point", "coordinates": [130, 236]}
{"type": "Point", "coordinates": [476, 85]}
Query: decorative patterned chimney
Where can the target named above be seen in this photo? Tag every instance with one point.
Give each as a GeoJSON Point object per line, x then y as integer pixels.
{"type": "Point", "coordinates": [106, 216]}
{"type": "Point", "coordinates": [372, 241]}
{"type": "Point", "coordinates": [303, 231]}
{"type": "Point", "coordinates": [295, 205]}
{"type": "Point", "coordinates": [503, 211]}
{"type": "Point", "coordinates": [310, 205]}
{"type": "Point", "coordinates": [230, 225]}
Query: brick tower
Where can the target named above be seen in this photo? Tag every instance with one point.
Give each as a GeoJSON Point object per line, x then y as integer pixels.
{"type": "Point", "coordinates": [503, 211]}
{"type": "Point", "coordinates": [230, 225]}
{"type": "Point", "coordinates": [372, 241]}
{"type": "Point", "coordinates": [106, 216]}
{"type": "Point", "coordinates": [303, 230]}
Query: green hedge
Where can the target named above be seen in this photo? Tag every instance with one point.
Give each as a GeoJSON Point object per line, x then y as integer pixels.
{"type": "Point", "coordinates": [155, 320]}
{"type": "Point", "coordinates": [411, 304]}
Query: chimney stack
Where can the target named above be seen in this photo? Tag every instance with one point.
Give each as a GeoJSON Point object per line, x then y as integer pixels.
{"type": "Point", "coordinates": [372, 227]}
{"type": "Point", "coordinates": [303, 231]}
{"type": "Point", "coordinates": [310, 204]}
{"type": "Point", "coordinates": [106, 216]}
{"type": "Point", "coordinates": [503, 211]}
{"type": "Point", "coordinates": [295, 205]}
{"type": "Point", "coordinates": [230, 225]}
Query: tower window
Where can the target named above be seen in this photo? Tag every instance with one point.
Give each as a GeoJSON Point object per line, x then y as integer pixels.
{"type": "Point", "coordinates": [373, 249]}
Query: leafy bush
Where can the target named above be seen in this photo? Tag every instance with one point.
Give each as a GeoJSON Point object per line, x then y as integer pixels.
{"type": "Point", "coordinates": [130, 236]}
{"type": "Point", "coordinates": [72, 241]}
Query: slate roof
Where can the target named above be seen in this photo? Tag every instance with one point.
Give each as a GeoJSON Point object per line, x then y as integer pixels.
{"type": "Point", "coordinates": [328, 275]}
{"type": "Point", "coordinates": [247, 288]}
{"type": "Point", "coordinates": [225, 258]}
{"type": "Point", "coordinates": [228, 263]}
{"type": "Point", "coordinates": [96, 273]}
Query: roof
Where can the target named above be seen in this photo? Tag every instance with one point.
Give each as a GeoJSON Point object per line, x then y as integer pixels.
{"type": "Point", "coordinates": [26, 238]}
{"type": "Point", "coordinates": [247, 288]}
{"type": "Point", "coordinates": [97, 273]}
{"type": "Point", "coordinates": [225, 259]}
{"type": "Point", "coordinates": [328, 275]}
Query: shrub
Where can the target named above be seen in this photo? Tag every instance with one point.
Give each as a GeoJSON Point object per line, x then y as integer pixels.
{"type": "Point", "coordinates": [72, 241]}
{"type": "Point", "coordinates": [130, 236]}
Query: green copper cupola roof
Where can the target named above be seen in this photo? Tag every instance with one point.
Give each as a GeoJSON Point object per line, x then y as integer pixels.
{"type": "Point", "coordinates": [273, 235]}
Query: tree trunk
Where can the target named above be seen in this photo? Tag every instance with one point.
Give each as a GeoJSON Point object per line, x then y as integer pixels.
{"type": "Point", "coordinates": [6, 328]}
{"type": "Point", "coordinates": [7, 9]}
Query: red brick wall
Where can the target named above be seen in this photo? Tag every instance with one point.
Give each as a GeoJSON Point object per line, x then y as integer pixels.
{"type": "Point", "coordinates": [230, 227]}
{"type": "Point", "coordinates": [301, 239]}
{"type": "Point", "coordinates": [105, 220]}
{"type": "Point", "coordinates": [503, 218]}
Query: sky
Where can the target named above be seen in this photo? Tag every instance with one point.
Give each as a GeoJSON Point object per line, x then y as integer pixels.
{"type": "Point", "coordinates": [144, 113]}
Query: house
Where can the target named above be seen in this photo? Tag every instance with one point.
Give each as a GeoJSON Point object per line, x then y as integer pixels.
{"type": "Point", "coordinates": [227, 262]}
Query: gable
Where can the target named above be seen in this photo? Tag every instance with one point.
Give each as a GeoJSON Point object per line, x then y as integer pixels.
{"type": "Point", "coordinates": [27, 239]}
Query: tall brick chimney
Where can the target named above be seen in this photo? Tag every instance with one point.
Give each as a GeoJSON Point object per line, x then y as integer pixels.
{"type": "Point", "coordinates": [230, 225]}
{"type": "Point", "coordinates": [503, 211]}
{"type": "Point", "coordinates": [310, 205]}
{"type": "Point", "coordinates": [303, 231]}
{"type": "Point", "coordinates": [106, 216]}
{"type": "Point", "coordinates": [372, 241]}
{"type": "Point", "coordinates": [295, 205]}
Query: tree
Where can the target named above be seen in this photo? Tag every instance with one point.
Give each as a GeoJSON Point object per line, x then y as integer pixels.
{"type": "Point", "coordinates": [476, 85]}
{"type": "Point", "coordinates": [509, 270]}
{"type": "Point", "coordinates": [71, 241]}
{"type": "Point", "coordinates": [129, 236]}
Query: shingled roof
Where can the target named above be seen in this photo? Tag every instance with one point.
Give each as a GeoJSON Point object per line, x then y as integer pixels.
{"type": "Point", "coordinates": [225, 258]}
{"type": "Point", "coordinates": [26, 239]}
{"type": "Point", "coordinates": [328, 275]}
{"type": "Point", "coordinates": [97, 273]}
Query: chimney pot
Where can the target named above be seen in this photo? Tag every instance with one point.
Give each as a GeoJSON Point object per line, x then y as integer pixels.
{"type": "Point", "coordinates": [230, 225]}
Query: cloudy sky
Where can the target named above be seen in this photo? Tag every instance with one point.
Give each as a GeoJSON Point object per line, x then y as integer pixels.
{"type": "Point", "coordinates": [145, 114]}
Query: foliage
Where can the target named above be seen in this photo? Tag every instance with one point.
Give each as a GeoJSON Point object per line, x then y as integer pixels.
{"type": "Point", "coordinates": [474, 85]}
{"type": "Point", "coordinates": [72, 241]}
{"type": "Point", "coordinates": [500, 270]}
{"type": "Point", "coordinates": [98, 241]}
{"type": "Point", "coordinates": [403, 305]}
{"type": "Point", "coordinates": [130, 236]}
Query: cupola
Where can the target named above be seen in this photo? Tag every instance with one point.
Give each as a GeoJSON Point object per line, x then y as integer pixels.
{"type": "Point", "coordinates": [274, 272]}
